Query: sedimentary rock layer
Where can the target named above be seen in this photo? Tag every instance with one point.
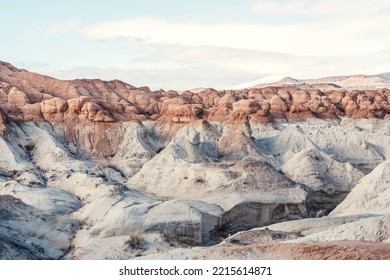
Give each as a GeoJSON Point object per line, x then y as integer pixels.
{"type": "Point", "coordinates": [91, 163]}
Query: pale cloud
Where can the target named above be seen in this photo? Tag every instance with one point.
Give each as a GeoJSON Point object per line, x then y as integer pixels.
{"type": "Point", "coordinates": [231, 59]}
{"type": "Point", "coordinates": [32, 64]}
{"type": "Point", "coordinates": [269, 63]}
{"type": "Point", "coordinates": [342, 37]}
{"type": "Point", "coordinates": [179, 67]}
{"type": "Point", "coordinates": [319, 8]}
{"type": "Point", "coordinates": [180, 78]}
{"type": "Point", "coordinates": [316, 38]}
{"type": "Point", "coordinates": [65, 26]}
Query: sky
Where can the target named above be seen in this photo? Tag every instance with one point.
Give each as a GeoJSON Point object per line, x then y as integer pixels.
{"type": "Point", "coordinates": [184, 44]}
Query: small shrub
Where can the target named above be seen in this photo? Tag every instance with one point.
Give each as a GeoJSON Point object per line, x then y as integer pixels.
{"type": "Point", "coordinates": [175, 241]}
{"type": "Point", "coordinates": [198, 180]}
{"type": "Point", "coordinates": [187, 240]}
{"type": "Point", "coordinates": [297, 232]}
{"type": "Point", "coordinates": [135, 240]}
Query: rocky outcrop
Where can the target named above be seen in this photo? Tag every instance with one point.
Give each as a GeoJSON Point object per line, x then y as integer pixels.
{"type": "Point", "coordinates": [93, 161]}
{"type": "Point", "coordinates": [100, 101]}
{"type": "Point", "coordinates": [194, 220]}
{"type": "Point", "coordinates": [31, 234]}
{"type": "Point", "coordinates": [98, 105]}
{"type": "Point", "coordinates": [330, 181]}
{"type": "Point", "coordinates": [2, 122]}
{"type": "Point", "coordinates": [370, 195]}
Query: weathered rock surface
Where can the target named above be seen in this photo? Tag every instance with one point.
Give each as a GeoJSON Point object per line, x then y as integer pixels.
{"type": "Point", "coordinates": [83, 110]}
{"type": "Point", "coordinates": [27, 233]}
{"type": "Point", "coordinates": [370, 196]}
{"type": "Point", "coordinates": [90, 162]}
{"type": "Point", "coordinates": [345, 250]}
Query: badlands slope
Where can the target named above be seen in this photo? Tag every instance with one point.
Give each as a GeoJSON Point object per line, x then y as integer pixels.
{"type": "Point", "coordinates": [274, 172]}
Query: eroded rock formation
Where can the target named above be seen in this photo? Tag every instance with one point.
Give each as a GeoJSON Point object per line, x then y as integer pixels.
{"type": "Point", "coordinates": [97, 160]}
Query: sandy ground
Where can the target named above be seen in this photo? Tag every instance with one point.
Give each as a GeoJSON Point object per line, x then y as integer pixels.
{"type": "Point", "coordinates": [274, 245]}
{"type": "Point", "coordinates": [341, 250]}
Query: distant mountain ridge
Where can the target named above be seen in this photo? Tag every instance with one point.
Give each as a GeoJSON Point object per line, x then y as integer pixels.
{"type": "Point", "coordinates": [359, 81]}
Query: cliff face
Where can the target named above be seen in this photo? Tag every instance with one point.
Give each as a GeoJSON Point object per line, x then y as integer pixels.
{"type": "Point", "coordinates": [32, 97]}
{"type": "Point", "coordinates": [87, 112]}
{"type": "Point", "coordinates": [103, 159]}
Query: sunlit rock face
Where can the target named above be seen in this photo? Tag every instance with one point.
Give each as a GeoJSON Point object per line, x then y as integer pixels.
{"type": "Point", "coordinates": [90, 163]}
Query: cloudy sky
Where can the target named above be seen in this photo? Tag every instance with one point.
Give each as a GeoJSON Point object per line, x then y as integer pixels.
{"type": "Point", "coordinates": [182, 44]}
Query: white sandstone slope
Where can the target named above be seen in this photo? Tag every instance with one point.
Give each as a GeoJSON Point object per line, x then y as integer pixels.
{"type": "Point", "coordinates": [196, 219]}
{"type": "Point", "coordinates": [374, 229]}
{"type": "Point", "coordinates": [362, 216]}
{"type": "Point", "coordinates": [284, 145]}
{"type": "Point", "coordinates": [195, 186]}
{"type": "Point", "coordinates": [13, 157]}
{"type": "Point", "coordinates": [49, 200]}
{"type": "Point", "coordinates": [28, 233]}
{"type": "Point", "coordinates": [136, 148]}
{"type": "Point", "coordinates": [363, 143]}
{"type": "Point", "coordinates": [189, 167]}
{"type": "Point", "coordinates": [65, 187]}
{"type": "Point", "coordinates": [370, 195]}
{"type": "Point", "coordinates": [319, 171]}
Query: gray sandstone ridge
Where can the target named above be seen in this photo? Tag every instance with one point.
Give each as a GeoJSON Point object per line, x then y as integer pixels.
{"type": "Point", "coordinates": [91, 163]}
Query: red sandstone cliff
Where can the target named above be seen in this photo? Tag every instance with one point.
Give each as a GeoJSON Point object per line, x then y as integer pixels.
{"type": "Point", "coordinates": [100, 105]}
